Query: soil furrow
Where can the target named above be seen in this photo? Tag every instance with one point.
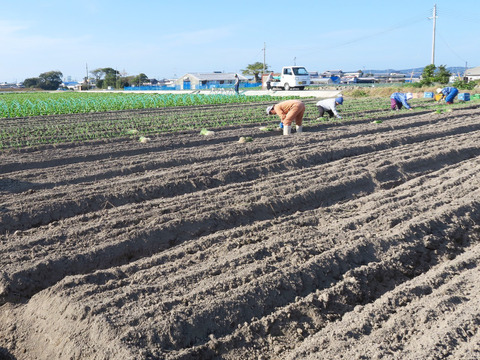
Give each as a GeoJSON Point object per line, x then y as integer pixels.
{"type": "Point", "coordinates": [278, 289]}
{"type": "Point", "coordinates": [353, 240]}
{"type": "Point", "coordinates": [208, 179]}
{"type": "Point", "coordinates": [441, 298]}
{"type": "Point", "coordinates": [175, 226]}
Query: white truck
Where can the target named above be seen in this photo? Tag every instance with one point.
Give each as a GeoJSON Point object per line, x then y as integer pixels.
{"type": "Point", "coordinates": [291, 77]}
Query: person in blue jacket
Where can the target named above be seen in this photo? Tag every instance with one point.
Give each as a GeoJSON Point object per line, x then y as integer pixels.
{"type": "Point", "coordinates": [398, 100]}
{"type": "Point", "coordinates": [448, 93]}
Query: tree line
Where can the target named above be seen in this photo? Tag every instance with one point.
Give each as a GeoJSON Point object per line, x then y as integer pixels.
{"type": "Point", "coordinates": [432, 74]}
{"type": "Point", "coordinates": [102, 78]}
{"type": "Point", "coordinates": [106, 77]}
{"type": "Point", "coordinates": [50, 80]}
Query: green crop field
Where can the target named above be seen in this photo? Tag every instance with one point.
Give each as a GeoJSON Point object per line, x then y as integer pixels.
{"type": "Point", "coordinates": [35, 104]}
{"type": "Point", "coordinates": [33, 119]}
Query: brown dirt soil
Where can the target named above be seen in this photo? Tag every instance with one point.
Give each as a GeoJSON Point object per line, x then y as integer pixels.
{"type": "Point", "coordinates": [349, 241]}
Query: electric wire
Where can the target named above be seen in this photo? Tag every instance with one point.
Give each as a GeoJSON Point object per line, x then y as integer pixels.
{"type": "Point", "coordinates": [401, 25]}
{"type": "Point", "coordinates": [450, 48]}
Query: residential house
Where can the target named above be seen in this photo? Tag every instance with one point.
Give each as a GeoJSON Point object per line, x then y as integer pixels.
{"type": "Point", "coordinates": [390, 77]}
{"type": "Point", "coordinates": [327, 77]}
{"type": "Point", "coordinates": [330, 73]}
{"type": "Point", "coordinates": [473, 74]}
{"type": "Point", "coordinates": [207, 80]}
{"type": "Point", "coordinates": [72, 85]}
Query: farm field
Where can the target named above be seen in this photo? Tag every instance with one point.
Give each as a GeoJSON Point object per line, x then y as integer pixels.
{"type": "Point", "coordinates": [47, 103]}
{"type": "Point", "coordinates": [357, 239]}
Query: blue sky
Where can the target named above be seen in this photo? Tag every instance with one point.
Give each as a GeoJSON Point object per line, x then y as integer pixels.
{"type": "Point", "coordinates": [164, 39]}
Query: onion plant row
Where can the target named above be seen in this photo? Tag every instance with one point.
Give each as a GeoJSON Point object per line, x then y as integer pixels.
{"type": "Point", "coordinates": [38, 104]}
{"type": "Point", "coordinates": [34, 131]}
{"type": "Point", "coordinates": [40, 130]}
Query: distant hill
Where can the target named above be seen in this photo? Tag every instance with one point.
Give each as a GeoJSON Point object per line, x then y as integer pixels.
{"type": "Point", "coordinates": [416, 71]}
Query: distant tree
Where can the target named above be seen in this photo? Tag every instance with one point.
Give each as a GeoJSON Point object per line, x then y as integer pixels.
{"type": "Point", "coordinates": [255, 69]}
{"type": "Point", "coordinates": [50, 80]}
{"type": "Point", "coordinates": [442, 75]}
{"type": "Point", "coordinates": [105, 77]}
{"type": "Point", "coordinates": [122, 82]}
{"type": "Point", "coordinates": [428, 75]}
{"type": "Point", "coordinates": [111, 76]}
{"type": "Point", "coordinates": [31, 82]}
{"type": "Point", "coordinates": [97, 74]}
{"type": "Point", "coordinates": [139, 79]}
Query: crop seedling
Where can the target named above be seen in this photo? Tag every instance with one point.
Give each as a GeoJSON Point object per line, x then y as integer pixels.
{"type": "Point", "coordinates": [206, 132]}
{"type": "Point", "coordinates": [245, 139]}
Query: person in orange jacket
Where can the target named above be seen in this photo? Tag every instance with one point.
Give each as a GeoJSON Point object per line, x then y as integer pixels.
{"type": "Point", "coordinates": [288, 111]}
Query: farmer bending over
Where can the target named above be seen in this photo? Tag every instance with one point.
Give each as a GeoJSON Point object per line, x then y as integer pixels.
{"type": "Point", "coordinates": [398, 100]}
{"type": "Point", "coordinates": [288, 111]}
{"type": "Point", "coordinates": [448, 93]}
{"type": "Point", "coordinates": [329, 106]}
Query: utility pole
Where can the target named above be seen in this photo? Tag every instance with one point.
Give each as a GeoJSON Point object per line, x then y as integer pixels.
{"type": "Point", "coordinates": [264, 50]}
{"type": "Point", "coordinates": [86, 78]}
{"type": "Point", "coordinates": [434, 17]}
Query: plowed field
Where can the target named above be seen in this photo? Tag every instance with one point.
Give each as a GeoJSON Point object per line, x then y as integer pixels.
{"type": "Point", "coordinates": [352, 240]}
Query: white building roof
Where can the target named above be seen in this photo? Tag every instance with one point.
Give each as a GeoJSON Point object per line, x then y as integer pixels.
{"type": "Point", "coordinates": [473, 71]}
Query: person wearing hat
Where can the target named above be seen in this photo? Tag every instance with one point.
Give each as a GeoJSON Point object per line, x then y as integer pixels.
{"type": "Point", "coordinates": [448, 93]}
{"type": "Point", "coordinates": [289, 111]}
{"type": "Point", "coordinates": [398, 100]}
{"type": "Point", "coordinates": [329, 106]}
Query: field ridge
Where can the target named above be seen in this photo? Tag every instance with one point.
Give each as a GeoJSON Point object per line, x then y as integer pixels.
{"type": "Point", "coordinates": [351, 240]}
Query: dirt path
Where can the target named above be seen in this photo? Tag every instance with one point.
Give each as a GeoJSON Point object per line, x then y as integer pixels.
{"type": "Point", "coordinates": [349, 241]}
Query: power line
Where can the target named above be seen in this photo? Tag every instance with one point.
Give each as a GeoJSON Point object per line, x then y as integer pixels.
{"type": "Point", "coordinates": [448, 46]}
{"type": "Point", "coordinates": [259, 52]}
{"type": "Point", "coordinates": [463, 16]}
{"type": "Point", "coordinates": [435, 13]}
{"type": "Point", "coordinates": [406, 23]}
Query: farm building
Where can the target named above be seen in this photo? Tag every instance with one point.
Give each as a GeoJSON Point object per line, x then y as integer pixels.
{"type": "Point", "coordinates": [473, 73]}
{"type": "Point", "coordinates": [72, 85]}
{"type": "Point", "coordinates": [328, 77]}
{"type": "Point", "coordinates": [325, 80]}
{"type": "Point", "coordinates": [207, 80]}
{"type": "Point", "coordinates": [330, 73]}
{"type": "Point", "coordinates": [390, 77]}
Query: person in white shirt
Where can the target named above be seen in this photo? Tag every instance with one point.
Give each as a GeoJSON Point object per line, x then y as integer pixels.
{"type": "Point", "coordinates": [269, 81]}
{"type": "Point", "coordinates": [329, 106]}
